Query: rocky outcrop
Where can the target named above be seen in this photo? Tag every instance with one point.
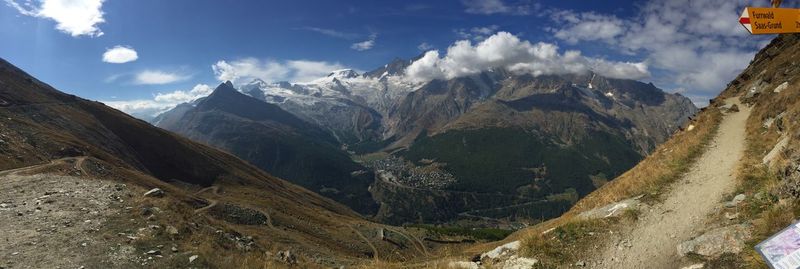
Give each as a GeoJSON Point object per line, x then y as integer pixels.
{"type": "Point", "coordinates": [714, 243]}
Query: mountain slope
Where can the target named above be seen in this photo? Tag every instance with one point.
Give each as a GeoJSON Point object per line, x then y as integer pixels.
{"type": "Point", "coordinates": [708, 195]}
{"type": "Point", "coordinates": [41, 124]}
{"type": "Point", "coordinates": [275, 141]}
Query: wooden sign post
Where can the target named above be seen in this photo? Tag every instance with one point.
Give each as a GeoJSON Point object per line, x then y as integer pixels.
{"type": "Point", "coordinates": [766, 20]}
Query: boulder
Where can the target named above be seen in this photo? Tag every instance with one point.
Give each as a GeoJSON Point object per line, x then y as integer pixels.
{"type": "Point", "coordinates": [516, 262]}
{"type": "Point", "coordinates": [156, 192]}
{"type": "Point", "coordinates": [781, 87]}
{"type": "Point", "coordinates": [463, 265]}
{"type": "Point", "coordinates": [192, 258]}
{"type": "Point", "coordinates": [612, 210]}
{"type": "Point", "coordinates": [503, 250]}
{"type": "Point", "coordinates": [714, 243]}
{"type": "Point", "coordinates": [734, 108]}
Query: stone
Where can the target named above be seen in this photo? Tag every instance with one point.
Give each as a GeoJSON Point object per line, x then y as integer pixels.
{"type": "Point", "coordinates": [156, 192]}
{"type": "Point", "coordinates": [714, 243]}
{"type": "Point", "coordinates": [516, 262]}
{"type": "Point", "coordinates": [731, 216]}
{"type": "Point", "coordinates": [614, 209]}
{"type": "Point", "coordinates": [781, 87]}
{"type": "Point", "coordinates": [580, 264]}
{"type": "Point", "coordinates": [739, 198]}
{"type": "Point", "coordinates": [171, 230]}
{"type": "Point", "coordinates": [462, 265]}
{"type": "Point", "coordinates": [287, 257]}
{"type": "Point", "coordinates": [734, 108]}
{"type": "Point", "coordinates": [192, 258]}
{"type": "Point", "coordinates": [501, 250]}
{"type": "Point", "coordinates": [154, 252]}
{"type": "Point", "coordinates": [695, 266]}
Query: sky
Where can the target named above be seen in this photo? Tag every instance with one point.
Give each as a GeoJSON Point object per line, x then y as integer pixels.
{"type": "Point", "coordinates": [147, 55]}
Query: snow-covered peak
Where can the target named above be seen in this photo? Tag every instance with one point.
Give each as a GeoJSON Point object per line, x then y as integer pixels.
{"type": "Point", "coordinates": [258, 83]}
{"type": "Point", "coordinates": [344, 73]}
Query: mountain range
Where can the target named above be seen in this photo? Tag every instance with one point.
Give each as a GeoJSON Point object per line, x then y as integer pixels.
{"type": "Point", "coordinates": [497, 145]}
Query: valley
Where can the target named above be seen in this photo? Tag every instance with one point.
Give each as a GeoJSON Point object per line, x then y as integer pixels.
{"type": "Point", "coordinates": [435, 145]}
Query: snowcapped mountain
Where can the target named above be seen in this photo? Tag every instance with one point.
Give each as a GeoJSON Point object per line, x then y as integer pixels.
{"type": "Point", "coordinates": [350, 105]}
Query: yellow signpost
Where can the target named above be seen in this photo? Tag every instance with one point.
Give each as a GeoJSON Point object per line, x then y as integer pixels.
{"type": "Point", "coordinates": [766, 20]}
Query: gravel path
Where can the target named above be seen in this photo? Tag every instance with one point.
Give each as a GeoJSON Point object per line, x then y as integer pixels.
{"type": "Point", "coordinates": [653, 241]}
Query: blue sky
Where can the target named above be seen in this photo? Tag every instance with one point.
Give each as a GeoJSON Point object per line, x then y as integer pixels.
{"type": "Point", "coordinates": [177, 42]}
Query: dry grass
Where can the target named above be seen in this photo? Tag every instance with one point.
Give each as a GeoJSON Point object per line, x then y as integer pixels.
{"type": "Point", "coordinates": [666, 164]}
{"type": "Point", "coordinates": [563, 244]}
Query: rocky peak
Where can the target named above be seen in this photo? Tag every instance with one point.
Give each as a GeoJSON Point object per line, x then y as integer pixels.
{"type": "Point", "coordinates": [344, 73]}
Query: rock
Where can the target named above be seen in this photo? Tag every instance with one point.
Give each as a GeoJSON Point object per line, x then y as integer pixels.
{"type": "Point", "coordinates": [287, 257]}
{"type": "Point", "coordinates": [690, 127]}
{"type": "Point", "coordinates": [580, 264]}
{"type": "Point", "coordinates": [501, 250]}
{"type": "Point", "coordinates": [156, 192]}
{"type": "Point", "coordinates": [154, 252]}
{"type": "Point", "coordinates": [714, 243]}
{"type": "Point", "coordinates": [734, 108]}
{"type": "Point", "coordinates": [739, 198]}
{"type": "Point", "coordinates": [171, 230]}
{"type": "Point", "coordinates": [192, 258]}
{"type": "Point", "coordinates": [174, 249]}
{"type": "Point", "coordinates": [463, 265]}
{"type": "Point", "coordinates": [731, 216]}
{"type": "Point", "coordinates": [781, 87]}
{"type": "Point", "coordinates": [736, 200]}
{"type": "Point", "coordinates": [516, 262]}
{"type": "Point", "coordinates": [612, 210]}
{"type": "Point", "coordinates": [694, 266]}
{"type": "Point", "coordinates": [776, 151]}
{"type": "Point", "coordinates": [476, 258]}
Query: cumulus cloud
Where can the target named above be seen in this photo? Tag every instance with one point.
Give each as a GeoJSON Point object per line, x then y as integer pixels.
{"type": "Point", "coordinates": [74, 17]}
{"type": "Point", "coordinates": [148, 108]}
{"type": "Point", "coordinates": [366, 44]}
{"type": "Point", "coordinates": [244, 70]}
{"type": "Point", "coordinates": [120, 54]}
{"type": "Point", "coordinates": [698, 46]}
{"type": "Point", "coordinates": [505, 50]}
{"type": "Point", "coordinates": [488, 7]}
{"type": "Point", "coordinates": [157, 77]}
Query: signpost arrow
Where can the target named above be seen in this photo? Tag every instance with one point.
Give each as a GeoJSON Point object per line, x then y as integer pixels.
{"type": "Point", "coordinates": [764, 20]}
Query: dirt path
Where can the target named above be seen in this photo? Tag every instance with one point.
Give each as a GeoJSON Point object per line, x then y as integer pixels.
{"type": "Point", "coordinates": [360, 235]}
{"type": "Point", "coordinates": [211, 202]}
{"type": "Point", "coordinates": [78, 165]}
{"type": "Point", "coordinates": [655, 237]}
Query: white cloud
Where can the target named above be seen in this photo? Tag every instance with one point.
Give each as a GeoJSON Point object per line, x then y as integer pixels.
{"type": "Point", "coordinates": [120, 54]}
{"type": "Point", "coordinates": [477, 33]}
{"type": "Point", "coordinates": [365, 45]}
{"type": "Point", "coordinates": [161, 102]}
{"type": "Point", "coordinates": [588, 26]}
{"type": "Point", "coordinates": [74, 17]}
{"type": "Point", "coordinates": [244, 70]}
{"type": "Point", "coordinates": [488, 7]}
{"type": "Point", "coordinates": [156, 77]}
{"type": "Point", "coordinates": [698, 46]}
{"type": "Point", "coordinates": [332, 33]}
{"type": "Point", "coordinates": [505, 50]}
{"type": "Point", "coordinates": [424, 46]}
